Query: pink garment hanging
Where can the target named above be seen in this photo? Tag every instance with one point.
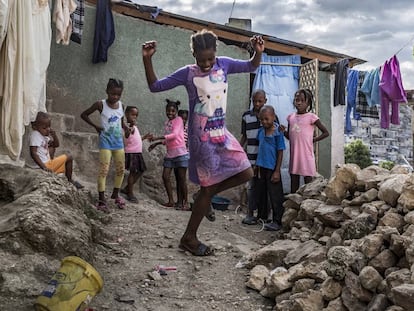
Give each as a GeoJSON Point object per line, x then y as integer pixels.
{"type": "Point", "coordinates": [391, 92]}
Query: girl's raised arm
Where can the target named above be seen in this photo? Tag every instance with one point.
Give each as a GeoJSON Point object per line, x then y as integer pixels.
{"type": "Point", "coordinates": [149, 49]}
{"type": "Point", "coordinates": [258, 45]}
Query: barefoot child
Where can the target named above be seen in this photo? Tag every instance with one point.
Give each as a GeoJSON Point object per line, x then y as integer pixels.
{"type": "Point", "coordinates": [134, 162]}
{"type": "Point", "coordinates": [110, 140]}
{"type": "Point", "coordinates": [217, 161]}
{"type": "Point", "coordinates": [43, 142]}
{"type": "Point", "coordinates": [184, 191]}
{"type": "Point", "coordinates": [176, 157]}
{"type": "Point", "coordinates": [300, 133]}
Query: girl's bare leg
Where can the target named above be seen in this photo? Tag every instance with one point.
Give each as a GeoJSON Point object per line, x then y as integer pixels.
{"type": "Point", "coordinates": [294, 183]}
{"type": "Point", "coordinates": [202, 203]}
{"type": "Point", "coordinates": [167, 184]}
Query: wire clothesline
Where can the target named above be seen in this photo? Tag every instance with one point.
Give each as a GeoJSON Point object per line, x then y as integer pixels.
{"type": "Point", "coordinates": [280, 64]}
{"type": "Point", "coordinates": [405, 45]}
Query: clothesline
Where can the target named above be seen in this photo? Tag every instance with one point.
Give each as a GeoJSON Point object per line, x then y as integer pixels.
{"type": "Point", "coordinates": [280, 64]}
{"type": "Point", "coordinates": [405, 45]}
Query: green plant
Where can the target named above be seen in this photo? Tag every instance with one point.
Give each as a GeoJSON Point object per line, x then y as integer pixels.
{"type": "Point", "coordinates": [357, 152]}
{"type": "Point", "coordinates": [387, 164]}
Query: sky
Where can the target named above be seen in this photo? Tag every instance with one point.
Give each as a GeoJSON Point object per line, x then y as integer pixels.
{"type": "Point", "coordinates": [372, 30]}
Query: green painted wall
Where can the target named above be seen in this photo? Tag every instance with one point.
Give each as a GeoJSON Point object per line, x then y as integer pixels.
{"type": "Point", "coordinates": [324, 113]}
{"type": "Point", "coordinates": [74, 83]}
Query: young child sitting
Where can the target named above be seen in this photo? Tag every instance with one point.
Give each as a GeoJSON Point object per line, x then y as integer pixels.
{"type": "Point", "coordinates": [43, 142]}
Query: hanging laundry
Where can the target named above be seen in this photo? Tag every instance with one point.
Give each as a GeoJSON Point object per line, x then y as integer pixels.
{"type": "Point", "coordinates": [351, 95]}
{"type": "Point", "coordinates": [4, 4]}
{"type": "Point", "coordinates": [391, 92]}
{"type": "Point", "coordinates": [24, 58]}
{"type": "Point", "coordinates": [341, 73]}
{"type": "Point", "coordinates": [104, 31]}
{"type": "Point", "coordinates": [153, 10]}
{"type": "Point", "coordinates": [370, 87]}
{"type": "Point", "coordinates": [61, 17]}
{"type": "Point", "coordinates": [362, 106]}
{"type": "Point", "coordinates": [78, 18]}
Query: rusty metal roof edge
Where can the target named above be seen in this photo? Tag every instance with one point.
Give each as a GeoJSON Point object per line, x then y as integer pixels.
{"type": "Point", "coordinates": [249, 33]}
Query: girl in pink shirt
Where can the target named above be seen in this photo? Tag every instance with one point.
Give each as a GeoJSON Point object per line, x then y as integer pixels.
{"type": "Point", "coordinates": [300, 132]}
{"type": "Point", "coordinates": [176, 157]}
{"type": "Point", "coordinates": [134, 162]}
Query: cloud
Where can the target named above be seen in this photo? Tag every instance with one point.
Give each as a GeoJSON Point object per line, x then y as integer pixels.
{"type": "Point", "coordinates": [373, 30]}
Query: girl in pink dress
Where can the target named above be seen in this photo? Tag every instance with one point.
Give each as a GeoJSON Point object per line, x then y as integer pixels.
{"type": "Point", "coordinates": [300, 132]}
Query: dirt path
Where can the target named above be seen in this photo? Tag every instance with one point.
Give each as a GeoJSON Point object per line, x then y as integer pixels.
{"type": "Point", "coordinates": [146, 234]}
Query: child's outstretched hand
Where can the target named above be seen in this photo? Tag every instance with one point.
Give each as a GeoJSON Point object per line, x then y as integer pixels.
{"type": "Point", "coordinates": [149, 48]}
{"type": "Point", "coordinates": [257, 43]}
{"type": "Point", "coordinates": [151, 147]}
{"type": "Point", "coordinates": [282, 128]}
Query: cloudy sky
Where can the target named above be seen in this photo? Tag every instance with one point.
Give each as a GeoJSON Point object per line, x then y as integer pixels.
{"type": "Point", "coordinates": [373, 30]}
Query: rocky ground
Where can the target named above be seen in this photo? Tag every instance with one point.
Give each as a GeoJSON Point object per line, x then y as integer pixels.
{"type": "Point", "coordinates": [347, 245]}
{"type": "Point", "coordinates": [43, 219]}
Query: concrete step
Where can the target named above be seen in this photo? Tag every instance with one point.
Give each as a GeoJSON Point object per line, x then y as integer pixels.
{"type": "Point", "coordinates": [62, 122]}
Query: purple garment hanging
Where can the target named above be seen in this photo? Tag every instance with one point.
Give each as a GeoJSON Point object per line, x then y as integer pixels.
{"type": "Point", "coordinates": [391, 92]}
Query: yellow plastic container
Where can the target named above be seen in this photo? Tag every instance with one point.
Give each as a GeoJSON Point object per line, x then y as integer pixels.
{"type": "Point", "coordinates": [72, 288]}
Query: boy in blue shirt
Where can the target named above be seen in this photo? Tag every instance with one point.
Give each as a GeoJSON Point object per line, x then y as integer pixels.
{"type": "Point", "coordinates": [269, 161]}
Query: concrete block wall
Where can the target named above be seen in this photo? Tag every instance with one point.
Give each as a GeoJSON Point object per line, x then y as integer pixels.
{"type": "Point", "coordinates": [386, 144]}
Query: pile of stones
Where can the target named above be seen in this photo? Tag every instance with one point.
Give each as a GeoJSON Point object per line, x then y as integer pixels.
{"type": "Point", "coordinates": [347, 245]}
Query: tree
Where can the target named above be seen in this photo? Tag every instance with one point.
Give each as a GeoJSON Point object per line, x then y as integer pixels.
{"type": "Point", "coordinates": [357, 152]}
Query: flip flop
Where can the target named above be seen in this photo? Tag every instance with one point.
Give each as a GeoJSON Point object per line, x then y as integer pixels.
{"type": "Point", "coordinates": [201, 250]}
{"type": "Point", "coordinates": [168, 205]}
{"type": "Point", "coordinates": [120, 202]}
{"type": "Point", "coordinates": [77, 184]}
{"type": "Point", "coordinates": [102, 206]}
{"type": "Point", "coordinates": [132, 199]}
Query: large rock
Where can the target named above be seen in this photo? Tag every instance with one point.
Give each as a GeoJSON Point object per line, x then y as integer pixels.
{"type": "Point", "coordinates": [257, 277]}
{"type": "Point", "coordinates": [364, 177]}
{"type": "Point", "coordinates": [344, 180]}
{"type": "Point", "coordinates": [357, 291]}
{"type": "Point", "coordinates": [391, 189]}
{"type": "Point", "coordinates": [330, 289]}
{"type": "Point", "coordinates": [358, 227]}
{"type": "Point", "coordinates": [403, 296]}
{"type": "Point", "coordinates": [277, 283]}
{"type": "Point", "coordinates": [272, 255]}
{"type": "Point", "coordinates": [339, 260]}
{"type": "Point", "coordinates": [330, 215]}
{"type": "Point", "coordinates": [371, 245]}
{"type": "Point", "coordinates": [335, 305]}
{"type": "Point", "coordinates": [309, 250]}
{"type": "Point", "coordinates": [384, 260]}
{"type": "Point", "coordinates": [378, 303]}
{"type": "Point", "coordinates": [370, 278]}
{"type": "Point", "coordinates": [396, 278]}
{"type": "Point", "coordinates": [365, 197]}
{"type": "Point", "coordinates": [309, 300]}
{"type": "Point", "coordinates": [392, 219]}
{"type": "Point", "coordinates": [308, 207]}
{"type": "Point", "coordinates": [406, 198]}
